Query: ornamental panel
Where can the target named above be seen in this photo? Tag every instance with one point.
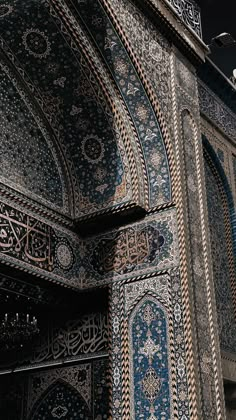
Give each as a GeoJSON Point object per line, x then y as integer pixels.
{"type": "Point", "coordinates": [139, 249]}
{"type": "Point", "coordinates": [149, 372]}
{"type": "Point", "coordinates": [148, 349]}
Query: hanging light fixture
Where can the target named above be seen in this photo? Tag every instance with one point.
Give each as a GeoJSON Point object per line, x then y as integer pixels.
{"type": "Point", "coordinates": [16, 330]}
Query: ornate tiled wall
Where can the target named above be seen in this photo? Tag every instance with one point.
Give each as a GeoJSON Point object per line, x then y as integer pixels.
{"type": "Point", "coordinates": [193, 237]}
{"type": "Point", "coordinates": [219, 126]}
{"type": "Point", "coordinates": [221, 267]}
{"type": "Point", "coordinates": [150, 46]}
{"type": "Point", "coordinates": [35, 246]}
{"type": "Point", "coordinates": [69, 392]}
{"type": "Point", "coordinates": [50, 251]}
{"type": "Point", "coordinates": [114, 111]}
{"type": "Point", "coordinates": [28, 157]}
{"type": "Point", "coordinates": [217, 111]}
{"type": "Point", "coordinates": [148, 325]}
{"type": "Point", "coordinates": [136, 250]}
{"type": "Point", "coordinates": [120, 162]}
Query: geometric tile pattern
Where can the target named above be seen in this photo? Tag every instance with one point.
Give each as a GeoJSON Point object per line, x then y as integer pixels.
{"type": "Point", "coordinates": [65, 387]}
{"type": "Point", "coordinates": [100, 389]}
{"type": "Point", "coordinates": [200, 283]}
{"type": "Point", "coordinates": [60, 402]}
{"type": "Point", "coordinates": [234, 171]}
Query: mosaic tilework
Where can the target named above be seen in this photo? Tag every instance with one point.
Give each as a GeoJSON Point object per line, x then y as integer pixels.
{"type": "Point", "coordinates": [219, 144]}
{"type": "Point", "coordinates": [138, 249]}
{"type": "Point", "coordinates": [117, 59]}
{"type": "Point", "coordinates": [194, 242]}
{"type": "Point", "coordinates": [189, 12]}
{"type": "Point", "coordinates": [149, 362]}
{"type": "Point", "coordinates": [225, 310]}
{"type": "Point", "coordinates": [220, 155]}
{"type": "Point", "coordinates": [76, 392]}
{"type": "Point", "coordinates": [65, 86]}
{"type": "Point", "coordinates": [224, 174]}
{"type": "Point", "coordinates": [185, 77]}
{"type": "Point", "coordinates": [151, 48]}
{"type": "Point", "coordinates": [63, 392]}
{"type": "Point", "coordinates": [32, 245]}
{"type": "Point", "coordinates": [61, 401]}
{"type": "Point", "coordinates": [143, 382]}
{"type": "Point", "coordinates": [100, 389]}
{"type": "Point", "coordinates": [65, 89]}
{"type": "Point", "coordinates": [217, 111]}
{"type": "Point", "coordinates": [55, 253]}
{"type": "Point", "coordinates": [29, 160]}
{"type": "Point", "coordinates": [234, 169]}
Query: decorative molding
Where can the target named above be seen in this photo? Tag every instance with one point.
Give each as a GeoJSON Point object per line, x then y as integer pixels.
{"type": "Point", "coordinates": [183, 246]}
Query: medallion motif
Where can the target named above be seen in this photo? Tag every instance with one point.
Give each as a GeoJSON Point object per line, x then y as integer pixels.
{"type": "Point", "coordinates": [92, 149]}
{"type": "Point", "coordinates": [64, 255]}
{"type": "Point", "coordinates": [151, 384]}
{"type": "Point", "coordinates": [36, 43]}
{"type": "Point", "coordinates": [150, 370]}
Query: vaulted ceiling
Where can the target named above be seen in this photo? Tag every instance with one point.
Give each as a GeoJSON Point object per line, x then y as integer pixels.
{"type": "Point", "coordinates": [78, 133]}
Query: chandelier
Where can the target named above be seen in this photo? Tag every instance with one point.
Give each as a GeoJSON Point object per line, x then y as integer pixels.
{"type": "Point", "coordinates": [16, 330]}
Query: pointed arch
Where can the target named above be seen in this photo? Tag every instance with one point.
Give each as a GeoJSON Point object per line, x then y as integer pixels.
{"type": "Point", "coordinates": [226, 195]}
{"type": "Point", "coordinates": [60, 400]}
{"type": "Point", "coordinates": [221, 215]}
{"type": "Point", "coordinates": [150, 375]}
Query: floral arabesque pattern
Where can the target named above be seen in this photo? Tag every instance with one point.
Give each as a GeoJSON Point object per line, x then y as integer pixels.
{"type": "Point", "coordinates": [150, 366]}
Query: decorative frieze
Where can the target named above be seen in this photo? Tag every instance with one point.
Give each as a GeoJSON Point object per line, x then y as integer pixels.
{"type": "Point", "coordinates": [217, 111]}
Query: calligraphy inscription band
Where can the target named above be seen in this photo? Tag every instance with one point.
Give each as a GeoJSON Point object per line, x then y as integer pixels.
{"type": "Point", "coordinates": [25, 238]}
